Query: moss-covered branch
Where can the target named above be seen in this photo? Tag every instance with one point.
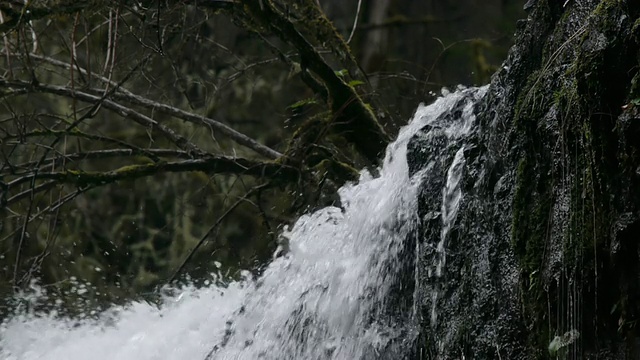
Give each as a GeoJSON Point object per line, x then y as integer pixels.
{"type": "Point", "coordinates": [352, 118]}
{"type": "Point", "coordinates": [209, 165]}
{"type": "Point", "coordinates": [153, 154]}
{"type": "Point", "coordinates": [322, 30]}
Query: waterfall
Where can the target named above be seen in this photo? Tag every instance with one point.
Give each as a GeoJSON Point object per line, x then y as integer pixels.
{"type": "Point", "coordinates": [326, 298]}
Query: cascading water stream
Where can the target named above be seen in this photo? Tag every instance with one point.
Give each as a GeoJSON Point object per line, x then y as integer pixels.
{"type": "Point", "coordinates": [442, 149]}
{"type": "Point", "coordinates": [324, 299]}
{"type": "Point", "coordinates": [451, 195]}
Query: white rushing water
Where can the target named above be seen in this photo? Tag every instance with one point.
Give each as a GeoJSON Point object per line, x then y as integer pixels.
{"type": "Point", "coordinates": [322, 300]}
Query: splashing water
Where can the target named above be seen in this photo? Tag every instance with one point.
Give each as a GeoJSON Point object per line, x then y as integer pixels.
{"type": "Point", "coordinates": [324, 299]}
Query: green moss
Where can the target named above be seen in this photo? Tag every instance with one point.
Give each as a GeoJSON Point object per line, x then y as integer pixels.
{"type": "Point", "coordinates": [531, 209]}
{"type": "Point", "coordinates": [634, 91]}
{"type": "Point", "coordinates": [529, 229]}
{"type": "Point", "coordinates": [518, 204]}
{"type": "Point", "coordinates": [83, 178]}
{"type": "Point", "coordinates": [635, 30]}
{"type": "Point", "coordinates": [531, 100]}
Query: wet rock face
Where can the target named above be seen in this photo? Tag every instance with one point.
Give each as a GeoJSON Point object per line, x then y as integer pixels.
{"type": "Point", "coordinates": [471, 308]}
{"type": "Point", "coordinates": [543, 256]}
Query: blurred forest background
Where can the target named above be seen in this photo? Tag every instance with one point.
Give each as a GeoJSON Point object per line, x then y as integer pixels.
{"type": "Point", "coordinates": [121, 167]}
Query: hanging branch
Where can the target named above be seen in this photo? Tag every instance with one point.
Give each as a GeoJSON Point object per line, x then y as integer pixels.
{"type": "Point", "coordinates": [209, 165]}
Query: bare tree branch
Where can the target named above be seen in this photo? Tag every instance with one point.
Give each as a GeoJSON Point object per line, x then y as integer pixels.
{"type": "Point", "coordinates": [124, 111]}
{"type": "Point", "coordinates": [127, 95]}
{"type": "Point", "coordinates": [355, 22]}
{"type": "Point", "coordinates": [19, 12]}
{"type": "Point", "coordinates": [73, 132]}
{"type": "Point", "coordinates": [39, 188]}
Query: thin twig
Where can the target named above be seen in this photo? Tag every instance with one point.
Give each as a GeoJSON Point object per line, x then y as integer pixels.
{"type": "Point", "coordinates": [72, 61]}
{"type": "Point", "coordinates": [210, 231]}
{"type": "Point", "coordinates": [23, 234]}
{"type": "Point", "coordinates": [355, 22]}
{"type": "Point", "coordinates": [109, 42]}
{"type": "Point", "coordinates": [51, 208]}
{"type": "Point", "coordinates": [113, 37]}
{"type": "Point", "coordinates": [6, 48]}
{"type": "Point", "coordinates": [40, 188]}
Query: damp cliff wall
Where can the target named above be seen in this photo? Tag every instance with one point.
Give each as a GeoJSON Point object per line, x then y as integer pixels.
{"type": "Point", "coordinates": [542, 259]}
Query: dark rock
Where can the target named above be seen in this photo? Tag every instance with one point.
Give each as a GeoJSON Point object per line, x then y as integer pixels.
{"type": "Point", "coordinates": [546, 241]}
